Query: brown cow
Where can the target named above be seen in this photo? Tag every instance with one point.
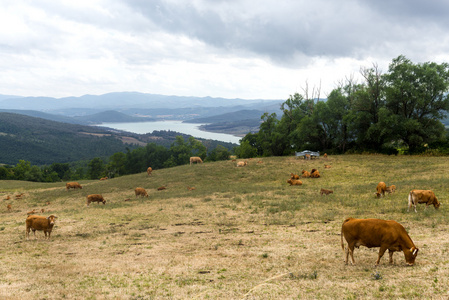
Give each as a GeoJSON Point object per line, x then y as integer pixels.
{"type": "Point", "coordinates": [305, 174]}
{"type": "Point", "coordinates": [149, 170]}
{"type": "Point", "coordinates": [242, 163]}
{"type": "Point", "coordinates": [294, 182]}
{"type": "Point", "coordinates": [196, 159]}
{"type": "Point", "coordinates": [314, 174]}
{"type": "Point", "coordinates": [422, 196]}
{"type": "Point", "coordinates": [327, 166]}
{"type": "Point", "coordinates": [391, 189]}
{"type": "Point", "coordinates": [73, 185]}
{"type": "Point", "coordinates": [31, 212]}
{"type": "Point", "coordinates": [141, 192]}
{"type": "Point", "coordinates": [294, 176]}
{"type": "Point", "coordinates": [377, 233]}
{"type": "Point", "coordinates": [35, 222]}
{"type": "Point", "coordinates": [191, 188]}
{"type": "Point", "coordinates": [104, 178]}
{"type": "Point", "coordinates": [9, 207]}
{"type": "Point", "coordinates": [381, 188]}
{"type": "Point", "coordinates": [95, 198]}
{"type": "Point", "coordinates": [326, 191]}
{"type": "Point", "coordinates": [325, 155]}
{"type": "Point", "coordinates": [161, 188]}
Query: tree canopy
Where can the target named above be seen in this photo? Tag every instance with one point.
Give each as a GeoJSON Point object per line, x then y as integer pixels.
{"type": "Point", "coordinates": [402, 108]}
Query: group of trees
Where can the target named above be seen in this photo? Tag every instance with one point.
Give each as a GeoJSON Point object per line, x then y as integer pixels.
{"type": "Point", "coordinates": [401, 109]}
{"type": "Point", "coordinates": [118, 164]}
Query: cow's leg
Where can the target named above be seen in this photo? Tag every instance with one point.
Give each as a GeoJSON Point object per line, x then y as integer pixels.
{"type": "Point", "coordinates": [351, 251]}
{"type": "Point", "coordinates": [381, 253]}
{"type": "Point", "coordinates": [27, 233]}
{"type": "Point", "coordinates": [391, 256]}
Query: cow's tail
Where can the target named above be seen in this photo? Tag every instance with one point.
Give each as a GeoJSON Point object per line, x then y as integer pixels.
{"type": "Point", "coordinates": [410, 200]}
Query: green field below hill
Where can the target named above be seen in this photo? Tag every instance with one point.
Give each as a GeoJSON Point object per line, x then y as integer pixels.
{"type": "Point", "coordinates": [242, 233]}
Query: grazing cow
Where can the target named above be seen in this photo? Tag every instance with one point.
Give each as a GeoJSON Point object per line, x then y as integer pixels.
{"type": "Point", "coordinates": [242, 163]}
{"type": "Point", "coordinates": [326, 192]}
{"type": "Point", "coordinates": [73, 185]}
{"type": "Point", "coordinates": [327, 166]}
{"type": "Point", "coordinates": [141, 192]}
{"type": "Point", "coordinates": [422, 196]}
{"type": "Point", "coordinates": [9, 207]}
{"type": "Point", "coordinates": [381, 188]}
{"type": "Point", "coordinates": [294, 176]}
{"type": "Point", "coordinates": [149, 170]}
{"type": "Point", "coordinates": [35, 222]}
{"type": "Point", "coordinates": [377, 233]}
{"type": "Point", "coordinates": [307, 156]}
{"type": "Point", "coordinates": [294, 182]}
{"type": "Point", "coordinates": [190, 188]}
{"type": "Point", "coordinates": [325, 155]}
{"type": "Point", "coordinates": [161, 188]}
{"type": "Point", "coordinates": [391, 189]}
{"type": "Point", "coordinates": [305, 174]}
{"type": "Point", "coordinates": [314, 174]}
{"type": "Point", "coordinates": [196, 159]}
{"type": "Point", "coordinates": [104, 178]}
{"type": "Point", "coordinates": [95, 198]}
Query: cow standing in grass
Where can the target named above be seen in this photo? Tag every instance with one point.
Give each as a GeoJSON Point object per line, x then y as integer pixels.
{"type": "Point", "coordinates": [388, 235]}
{"type": "Point", "coordinates": [40, 223]}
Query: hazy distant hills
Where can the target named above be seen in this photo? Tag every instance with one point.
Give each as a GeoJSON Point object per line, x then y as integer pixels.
{"type": "Point", "coordinates": [138, 107]}
{"type": "Point", "coordinates": [120, 101]}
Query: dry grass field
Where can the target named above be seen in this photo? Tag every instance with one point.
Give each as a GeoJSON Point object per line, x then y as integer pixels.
{"type": "Point", "coordinates": [242, 233]}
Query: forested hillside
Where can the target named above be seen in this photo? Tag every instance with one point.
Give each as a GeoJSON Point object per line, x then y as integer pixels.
{"type": "Point", "coordinates": [42, 141]}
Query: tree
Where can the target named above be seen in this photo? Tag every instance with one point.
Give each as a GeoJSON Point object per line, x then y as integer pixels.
{"type": "Point", "coordinates": [95, 168]}
{"type": "Point", "coordinates": [418, 95]}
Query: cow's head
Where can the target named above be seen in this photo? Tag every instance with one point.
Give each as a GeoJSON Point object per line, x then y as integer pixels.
{"type": "Point", "coordinates": [51, 219]}
{"type": "Point", "coordinates": [410, 255]}
{"type": "Point", "coordinates": [436, 204]}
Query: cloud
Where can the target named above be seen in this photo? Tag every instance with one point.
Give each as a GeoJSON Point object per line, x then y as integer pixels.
{"type": "Point", "coordinates": [236, 48]}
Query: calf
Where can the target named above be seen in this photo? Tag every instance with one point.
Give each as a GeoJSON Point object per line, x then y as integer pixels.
{"type": "Point", "coordinates": [422, 196]}
{"type": "Point", "coordinates": [326, 192]}
{"type": "Point", "coordinates": [95, 198]}
{"type": "Point", "coordinates": [40, 223]}
{"type": "Point", "coordinates": [141, 192]}
{"type": "Point", "coordinates": [305, 174]}
{"type": "Point", "coordinates": [294, 182]}
{"type": "Point", "coordinates": [380, 189]}
{"type": "Point", "coordinates": [294, 176]}
{"type": "Point", "coordinates": [388, 235]}
{"type": "Point", "coordinates": [391, 189]}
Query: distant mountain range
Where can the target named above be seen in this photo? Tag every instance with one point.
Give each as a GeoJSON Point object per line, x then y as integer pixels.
{"type": "Point", "coordinates": [138, 107]}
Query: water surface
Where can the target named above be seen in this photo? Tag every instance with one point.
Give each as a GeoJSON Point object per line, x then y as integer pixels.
{"type": "Point", "coordinates": [178, 126]}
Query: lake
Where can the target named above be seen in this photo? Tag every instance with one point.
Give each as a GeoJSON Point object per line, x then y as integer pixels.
{"type": "Point", "coordinates": [178, 126]}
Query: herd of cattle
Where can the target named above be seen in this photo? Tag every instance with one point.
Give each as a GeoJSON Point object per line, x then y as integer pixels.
{"type": "Point", "coordinates": [388, 235]}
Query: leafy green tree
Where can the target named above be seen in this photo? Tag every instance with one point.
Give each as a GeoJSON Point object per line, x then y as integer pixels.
{"type": "Point", "coordinates": [116, 165]}
{"type": "Point", "coordinates": [219, 153]}
{"type": "Point", "coordinates": [245, 150]}
{"type": "Point", "coordinates": [418, 95]}
{"type": "Point", "coordinates": [95, 168]}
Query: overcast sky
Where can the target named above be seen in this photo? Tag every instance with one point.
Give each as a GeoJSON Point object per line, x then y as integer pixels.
{"type": "Point", "coordinates": [249, 49]}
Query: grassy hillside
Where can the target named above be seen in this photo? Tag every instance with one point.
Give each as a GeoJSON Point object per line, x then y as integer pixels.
{"type": "Point", "coordinates": [243, 233]}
